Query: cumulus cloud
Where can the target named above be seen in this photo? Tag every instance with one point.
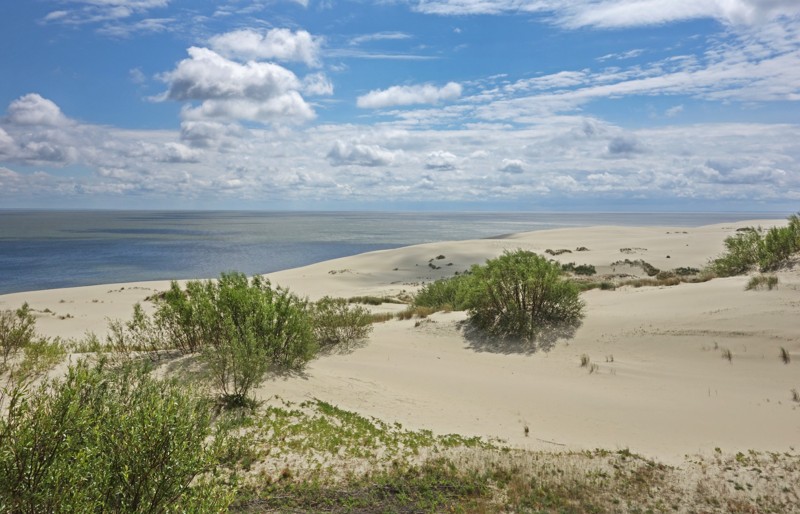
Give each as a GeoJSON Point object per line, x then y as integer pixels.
{"type": "Point", "coordinates": [256, 91]}
{"type": "Point", "coordinates": [279, 44]}
{"type": "Point", "coordinates": [441, 160]}
{"type": "Point", "coordinates": [514, 166]}
{"type": "Point", "coordinates": [342, 154]}
{"type": "Point", "coordinates": [6, 143]}
{"type": "Point", "coordinates": [32, 109]}
{"type": "Point", "coordinates": [409, 95]}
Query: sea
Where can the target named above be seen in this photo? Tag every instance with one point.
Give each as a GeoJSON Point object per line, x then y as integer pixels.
{"type": "Point", "coordinates": [49, 249]}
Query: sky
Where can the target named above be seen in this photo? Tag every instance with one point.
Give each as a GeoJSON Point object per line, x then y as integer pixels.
{"type": "Point", "coordinates": [481, 105]}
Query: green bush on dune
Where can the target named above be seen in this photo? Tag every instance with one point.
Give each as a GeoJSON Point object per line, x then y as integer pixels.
{"type": "Point", "coordinates": [241, 327]}
{"type": "Point", "coordinates": [106, 440]}
{"type": "Point", "coordinates": [337, 322]}
{"type": "Point", "coordinates": [520, 294]}
{"type": "Point", "coordinates": [517, 295]}
{"type": "Point", "coordinates": [751, 248]}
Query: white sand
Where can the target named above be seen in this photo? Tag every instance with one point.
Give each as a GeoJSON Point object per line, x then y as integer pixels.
{"type": "Point", "coordinates": [667, 393]}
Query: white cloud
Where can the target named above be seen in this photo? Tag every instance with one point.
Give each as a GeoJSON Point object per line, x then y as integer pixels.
{"type": "Point", "coordinates": [674, 111]}
{"type": "Point", "coordinates": [441, 160]}
{"type": "Point", "coordinates": [409, 95]}
{"type": "Point", "coordinates": [279, 44]}
{"type": "Point", "coordinates": [621, 13]}
{"type": "Point", "coordinates": [6, 143]}
{"type": "Point", "coordinates": [256, 91]}
{"type": "Point", "coordinates": [515, 166]}
{"type": "Point", "coordinates": [379, 36]}
{"type": "Point", "coordinates": [32, 109]}
{"type": "Point", "coordinates": [98, 11]}
{"type": "Point", "coordinates": [342, 154]}
{"type": "Point", "coordinates": [317, 84]}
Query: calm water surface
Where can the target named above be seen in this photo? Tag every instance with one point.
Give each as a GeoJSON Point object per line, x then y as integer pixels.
{"type": "Point", "coordinates": [52, 249]}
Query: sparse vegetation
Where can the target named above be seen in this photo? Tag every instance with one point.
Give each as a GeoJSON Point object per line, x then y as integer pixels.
{"type": "Point", "coordinates": [762, 281]}
{"type": "Point", "coordinates": [648, 268]}
{"type": "Point", "coordinates": [557, 252]}
{"type": "Point", "coordinates": [585, 360]}
{"type": "Point", "coordinates": [785, 357]}
{"type": "Point", "coordinates": [727, 355]}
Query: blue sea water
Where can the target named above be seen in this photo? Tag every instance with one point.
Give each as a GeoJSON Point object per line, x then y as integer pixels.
{"type": "Point", "coordinates": [43, 249]}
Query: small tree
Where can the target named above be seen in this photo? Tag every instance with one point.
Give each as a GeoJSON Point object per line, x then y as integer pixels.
{"type": "Point", "coordinates": [520, 295]}
{"type": "Point", "coordinates": [242, 328]}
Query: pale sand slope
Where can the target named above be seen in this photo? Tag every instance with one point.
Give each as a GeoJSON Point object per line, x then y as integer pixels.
{"type": "Point", "coordinates": [667, 393]}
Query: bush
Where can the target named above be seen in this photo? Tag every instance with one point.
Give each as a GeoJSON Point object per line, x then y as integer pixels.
{"type": "Point", "coordinates": [520, 294]}
{"type": "Point", "coordinates": [750, 248]}
{"type": "Point", "coordinates": [105, 440]}
{"type": "Point", "coordinates": [448, 292]}
{"type": "Point", "coordinates": [241, 327]}
{"type": "Point", "coordinates": [16, 331]}
{"type": "Point", "coordinates": [337, 323]}
{"type": "Point", "coordinates": [580, 269]}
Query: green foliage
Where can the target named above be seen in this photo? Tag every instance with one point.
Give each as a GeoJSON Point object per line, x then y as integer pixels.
{"type": "Point", "coordinates": [337, 323]}
{"type": "Point", "coordinates": [242, 328]}
{"type": "Point", "coordinates": [104, 440]}
{"type": "Point", "coordinates": [17, 330]}
{"type": "Point", "coordinates": [520, 294]}
{"type": "Point", "coordinates": [579, 269]}
{"type": "Point", "coordinates": [141, 333]}
{"type": "Point", "coordinates": [751, 248]}
{"type": "Point", "coordinates": [448, 293]}
{"type": "Point", "coordinates": [761, 281]}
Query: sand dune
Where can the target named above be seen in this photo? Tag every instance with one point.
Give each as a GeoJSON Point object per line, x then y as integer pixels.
{"type": "Point", "coordinates": [662, 386]}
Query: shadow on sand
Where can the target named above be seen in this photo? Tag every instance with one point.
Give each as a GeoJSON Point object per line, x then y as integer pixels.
{"type": "Point", "coordinates": [480, 341]}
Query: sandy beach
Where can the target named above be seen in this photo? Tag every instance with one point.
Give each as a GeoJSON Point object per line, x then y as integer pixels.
{"type": "Point", "coordinates": [661, 386]}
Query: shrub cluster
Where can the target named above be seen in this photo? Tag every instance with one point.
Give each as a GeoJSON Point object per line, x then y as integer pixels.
{"type": "Point", "coordinates": [753, 248]}
{"type": "Point", "coordinates": [446, 294]}
{"type": "Point", "coordinates": [520, 294]}
{"type": "Point", "coordinates": [517, 295]}
{"type": "Point", "coordinates": [241, 328]}
{"type": "Point", "coordinates": [104, 440]}
{"type": "Point", "coordinates": [336, 322]}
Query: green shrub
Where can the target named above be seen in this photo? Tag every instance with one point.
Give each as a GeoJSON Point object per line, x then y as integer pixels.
{"type": "Point", "coordinates": [580, 269]}
{"type": "Point", "coordinates": [448, 292]}
{"type": "Point", "coordinates": [520, 294]}
{"type": "Point", "coordinates": [242, 327]}
{"type": "Point", "coordinates": [751, 248]}
{"type": "Point", "coordinates": [103, 440]}
{"type": "Point", "coordinates": [337, 323]}
{"type": "Point", "coordinates": [17, 330]}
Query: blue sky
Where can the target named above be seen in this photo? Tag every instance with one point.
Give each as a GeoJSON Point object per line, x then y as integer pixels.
{"type": "Point", "coordinates": [401, 104]}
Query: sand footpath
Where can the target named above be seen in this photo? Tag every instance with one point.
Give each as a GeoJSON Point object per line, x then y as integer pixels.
{"type": "Point", "coordinates": [661, 386]}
